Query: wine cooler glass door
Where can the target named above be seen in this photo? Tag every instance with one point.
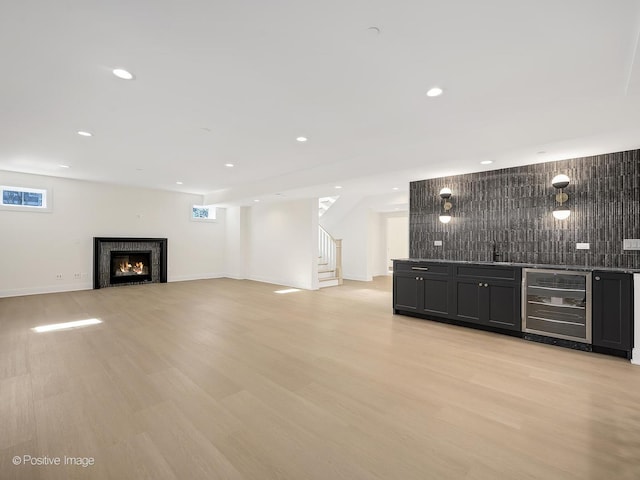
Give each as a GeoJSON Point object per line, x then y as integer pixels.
{"type": "Point", "coordinates": [557, 303]}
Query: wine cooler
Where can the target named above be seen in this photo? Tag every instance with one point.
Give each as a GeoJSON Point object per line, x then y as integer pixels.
{"type": "Point", "coordinates": [557, 303]}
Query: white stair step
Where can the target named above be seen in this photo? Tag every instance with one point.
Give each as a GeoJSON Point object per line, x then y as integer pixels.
{"type": "Point", "coordinates": [330, 282]}
{"type": "Point", "coordinates": [326, 274]}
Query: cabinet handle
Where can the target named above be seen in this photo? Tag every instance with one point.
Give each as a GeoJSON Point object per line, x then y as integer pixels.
{"type": "Point", "coordinates": [486, 284]}
{"type": "Point", "coordinates": [597, 278]}
{"type": "Point", "coordinates": [417, 278]}
{"type": "Point", "coordinates": [480, 284]}
{"type": "Point", "coordinates": [419, 268]}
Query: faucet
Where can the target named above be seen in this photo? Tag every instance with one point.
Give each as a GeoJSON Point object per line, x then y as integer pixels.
{"type": "Point", "coordinates": [496, 255]}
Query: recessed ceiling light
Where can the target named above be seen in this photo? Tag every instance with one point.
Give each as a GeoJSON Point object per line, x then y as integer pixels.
{"type": "Point", "coordinates": [178, 183]}
{"type": "Point", "coordinates": [486, 162]}
{"type": "Point", "coordinates": [229, 165]}
{"type": "Point", "coordinates": [434, 92]}
{"type": "Point", "coordinates": [395, 188]}
{"type": "Point", "coordinates": [302, 139]}
{"type": "Point", "coordinates": [338, 187]}
{"type": "Point", "coordinates": [63, 166]}
{"type": "Point", "coordinates": [85, 134]}
{"type": "Point", "coordinates": [256, 200]}
{"type": "Point", "coordinates": [123, 74]}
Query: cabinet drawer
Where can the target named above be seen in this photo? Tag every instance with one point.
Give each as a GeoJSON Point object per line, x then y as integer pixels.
{"type": "Point", "coordinates": [423, 268]}
{"type": "Point", "coordinates": [481, 271]}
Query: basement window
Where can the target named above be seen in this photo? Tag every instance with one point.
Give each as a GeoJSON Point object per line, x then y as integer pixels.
{"type": "Point", "coordinates": [203, 213]}
{"type": "Point", "coordinates": [25, 198]}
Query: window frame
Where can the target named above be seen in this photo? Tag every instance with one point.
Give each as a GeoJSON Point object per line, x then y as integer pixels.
{"type": "Point", "coordinates": [47, 199]}
{"type": "Point", "coordinates": [202, 219]}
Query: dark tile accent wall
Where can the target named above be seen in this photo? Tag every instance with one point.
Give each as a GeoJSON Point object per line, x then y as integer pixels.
{"type": "Point", "coordinates": [103, 246]}
{"type": "Point", "coordinates": [512, 207]}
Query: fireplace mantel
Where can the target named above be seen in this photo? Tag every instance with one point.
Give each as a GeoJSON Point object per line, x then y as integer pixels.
{"type": "Point", "coordinates": [103, 246]}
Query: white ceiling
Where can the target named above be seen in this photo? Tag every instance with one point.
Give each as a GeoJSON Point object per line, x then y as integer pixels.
{"type": "Point", "coordinates": [238, 81]}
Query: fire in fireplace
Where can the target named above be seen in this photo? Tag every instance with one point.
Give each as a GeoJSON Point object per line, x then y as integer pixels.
{"type": "Point", "coordinates": [127, 267]}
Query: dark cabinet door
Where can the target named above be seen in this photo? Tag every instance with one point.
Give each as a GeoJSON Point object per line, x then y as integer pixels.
{"type": "Point", "coordinates": [612, 310]}
{"type": "Point", "coordinates": [406, 290]}
{"type": "Point", "coordinates": [487, 302]}
{"type": "Point", "coordinates": [469, 300]}
{"type": "Point", "coordinates": [479, 294]}
{"type": "Point", "coordinates": [502, 304]}
{"type": "Point", "coordinates": [435, 294]}
{"type": "Point", "coordinates": [424, 288]}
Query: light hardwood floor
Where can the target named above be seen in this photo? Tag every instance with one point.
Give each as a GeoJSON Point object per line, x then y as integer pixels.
{"type": "Point", "coordinates": [226, 379]}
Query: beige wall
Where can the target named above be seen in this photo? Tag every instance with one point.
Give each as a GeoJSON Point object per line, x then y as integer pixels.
{"type": "Point", "coordinates": [397, 237]}
{"type": "Point", "coordinates": [36, 247]}
{"type": "Point", "coordinates": [283, 243]}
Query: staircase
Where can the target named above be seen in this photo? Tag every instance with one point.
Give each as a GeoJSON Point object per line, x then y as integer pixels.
{"type": "Point", "coordinates": [329, 260]}
{"type": "Point", "coordinates": [324, 204]}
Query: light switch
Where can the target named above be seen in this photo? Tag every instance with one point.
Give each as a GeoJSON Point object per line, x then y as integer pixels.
{"type": "Point", "coordinates": [582, 246]}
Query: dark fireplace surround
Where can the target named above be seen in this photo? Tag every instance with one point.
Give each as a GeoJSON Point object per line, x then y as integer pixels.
{"type": "Point", "coordinates": [128, 261]}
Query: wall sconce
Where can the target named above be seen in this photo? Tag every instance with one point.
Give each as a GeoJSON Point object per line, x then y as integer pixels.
{"type": "Point", "coordinates": [445, 216]}
{"type": "Point", "coordinates": [561, 212]}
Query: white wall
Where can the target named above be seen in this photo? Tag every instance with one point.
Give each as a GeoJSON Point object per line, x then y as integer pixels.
{"type": "Point", "coordinates": [35, 247]}
{"type": "Point", "coordinates": [283, 243]}
{"type": "Point", "coordinates": [354, 232]}
{"type": "Point", "coordinates": [635, 355]}
{"type": "Point", "coordinates": [378, 243]}
{"type": "Point", "coordinates": [237, 242]}
{"type": "Point", "coordinates": [397, 236]}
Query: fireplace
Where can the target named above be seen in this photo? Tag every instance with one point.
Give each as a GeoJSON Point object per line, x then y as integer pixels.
{"type": "Point", "coordinates": [130, 267]}
{"type": "Point", "coordinates": [129, 261]}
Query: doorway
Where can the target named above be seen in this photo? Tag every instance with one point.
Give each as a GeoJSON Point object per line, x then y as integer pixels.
{"type": "Point", "coordinates": [397, 239]}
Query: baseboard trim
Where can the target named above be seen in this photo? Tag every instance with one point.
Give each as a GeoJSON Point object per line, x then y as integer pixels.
{"type": "Point", "coordinates": [357, 278]}
{"type": "Point", "coordinates": [197, 276]}
{"type": "Point", "coordinates": [284, 283]}
{"type": "Point", "coordinates": [20, 292]}
{"type": "Point", "coordinates": [74, 287]}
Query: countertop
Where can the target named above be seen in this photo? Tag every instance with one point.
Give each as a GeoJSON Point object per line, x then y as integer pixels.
{"type": "Point", "coordinates": [582, 268]}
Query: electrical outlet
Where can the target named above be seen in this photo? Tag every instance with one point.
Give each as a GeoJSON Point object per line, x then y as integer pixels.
{"type": "Point", "coordinates": [437, 243]}
{"type": "Point", "coordinates": [76, 276]}
{"type": "Point", "coordinates": [58, 276]}
{"type": "Point", "coordinates": [631, 244]}
{"type": "Point", "coordinates": [85, 276]}
{"type": "Point", "coordinates": [582, 246]}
